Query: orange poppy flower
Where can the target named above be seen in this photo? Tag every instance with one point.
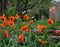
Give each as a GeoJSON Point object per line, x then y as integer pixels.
{"type": "Point", "coordinates": [24, 28]}
{"type": "Point", "coordinates": [11, 18]}
{"type": "Point", "coordinates": [25, 17]}
{"type": "Point", "coordinates": [50, 21]}
{"type": "Point", "coordinates": [4, 23]}
{"type": "Point", "coordinates": [39, 28]}
{"type": "Point", "coordinates": [6, 34]}
{"type": "Point", "coordinates": [42, 42]}
{"type": "Point", "coordinates": [11, 23]}
{"type": "Point", "coordinates": [17, 16]}
{"type": "Point", "coordinates": [21, 38]}
{"type": "Point", "coordinates": [43, 27]}
{"type": "Point", "coordinates": [31, 21]}
{"type": "Point", "coordinates": [24, 24]}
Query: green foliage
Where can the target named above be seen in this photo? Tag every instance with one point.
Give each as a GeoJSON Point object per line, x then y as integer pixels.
{"type": "Point", "coordinates": [31, 39]}
{"type": "Point", "coordinates": [11, 11]}
{"type": "Point", "coordinates": [13, 2]}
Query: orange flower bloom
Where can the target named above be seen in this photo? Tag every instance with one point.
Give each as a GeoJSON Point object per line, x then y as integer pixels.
{"type": "Point", "coordinates": [6, 34]}
{"type": "Point", "coordinates": [43, 27]}
{"type": "Point", "coordinates": [31, 21]}
{"type": "Point", "coordinates": [4, 23]}
{"type": "Point", "coordinates": [17, 16]}
{"type": "Point", "coordinates": [11, 23]}
{"type": "Point", "coordinates": [25, 17]}
{"type": "Point", "coordinates": [11, 18]}
{"type": "Point", "coordinates": [50, 21]}
{"type": "Point", "coordinates": [24, 28]}
{"type": "Point", "coordinates": [42, 42]}
{"type": "Point", "coordinates": [20, 38]}
{"type": "Point", "coordinates": [39, 28]}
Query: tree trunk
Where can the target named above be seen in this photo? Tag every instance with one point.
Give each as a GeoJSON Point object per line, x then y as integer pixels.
{"type": "Point", "coordinates": [0, 7]}
{"type": "Point", "coordinates": [18, 7]}
{"type": "Point", "coordinates": [5, 5]}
